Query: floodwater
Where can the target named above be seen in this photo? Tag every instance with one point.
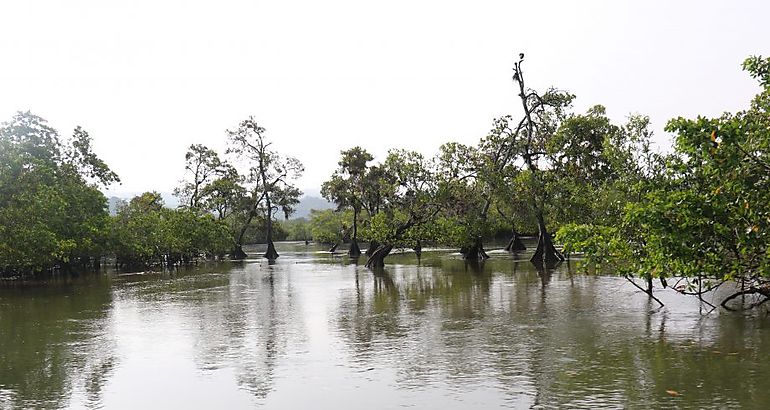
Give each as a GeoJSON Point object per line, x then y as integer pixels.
{"type": "Point", "coordinates": [315, 331]}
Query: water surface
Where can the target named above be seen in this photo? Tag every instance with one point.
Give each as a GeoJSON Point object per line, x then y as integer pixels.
{"type": "Point", "coordinates": [318, 331]}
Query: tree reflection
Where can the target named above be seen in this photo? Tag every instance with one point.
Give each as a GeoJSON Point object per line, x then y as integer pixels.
{"type": "Point", "coordinates": [247, 324]}
{"type": "Point", "coordinates": [546, 338]}
{"type": "Point", "coordinates": [54, 342]}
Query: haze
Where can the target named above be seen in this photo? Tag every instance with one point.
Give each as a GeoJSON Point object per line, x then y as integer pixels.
{"type": "Point", "coordinates": [149, 78]}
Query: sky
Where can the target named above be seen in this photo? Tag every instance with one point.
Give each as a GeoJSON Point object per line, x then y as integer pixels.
{"type": "Point", "coordinates": [148, 78]}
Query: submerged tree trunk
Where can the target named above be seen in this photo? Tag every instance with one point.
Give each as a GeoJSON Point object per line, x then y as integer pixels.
{"type": "Point", "coordinates": [515, 244]}
{"type": "Point", "coordinates": [545, 252]}
{"type": "Point", "coordinates": [373, 245]}
{"type": "Point", "coordinates": [418, 249]}
{"type": "Point", "coordinates": [271, 253]}
{"type": "Point", "coordinates": [238, 253]}
{"type": "Point", "coordinates": [474, 251]}
{"type": "Point", "coordinates": [377, 259]}
{"type": "Point", "coordinates": [354, 251]}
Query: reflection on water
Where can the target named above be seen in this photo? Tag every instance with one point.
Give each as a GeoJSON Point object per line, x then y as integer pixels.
{"type": "Point", "coordinates": [318, 331]}
{"type": "Point", "coordinates": [55, 342]}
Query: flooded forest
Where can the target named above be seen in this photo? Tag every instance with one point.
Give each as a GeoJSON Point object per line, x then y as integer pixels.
{"type": "Point", "coordinates": [562, 261]}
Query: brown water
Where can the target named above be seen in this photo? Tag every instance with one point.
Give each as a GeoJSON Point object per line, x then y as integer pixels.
{"type": "Point", "coordinates": [315, 331]}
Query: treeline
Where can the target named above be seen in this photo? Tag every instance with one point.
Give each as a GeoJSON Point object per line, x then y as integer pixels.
{"type": "Point", "coordinates": [53, 214]}
{"type": "Point", "coordinates": [699, 213]}
{"type": "Point", "coordinates": [545, 170]}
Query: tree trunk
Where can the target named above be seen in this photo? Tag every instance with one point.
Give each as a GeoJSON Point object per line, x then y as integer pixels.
{"type": "Point", "coordinates": [545, 252]}
{"type": "Point", "coordinates": [377, 259]}
{"type": "Point", "coordinates": [515, 244]}
{"type": "Point", "coordinates": [418, 249]}
{"type": "Point", "coordinates": [354, 251]}
{"type": "Point", "coordinates": [373, 245]}
{"type": "Point", "coordinates": [475, 251]}
{"type": "Point", "coordinates": [271, 253]}
{"type": "Point", "coordinates": [237, 253]}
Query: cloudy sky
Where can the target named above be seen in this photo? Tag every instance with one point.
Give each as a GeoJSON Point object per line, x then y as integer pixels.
{"type": "Point", "coordinates": [149, 78]}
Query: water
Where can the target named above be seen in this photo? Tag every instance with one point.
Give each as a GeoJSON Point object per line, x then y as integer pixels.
{"type": "Point", "coordinates": [315, 331]}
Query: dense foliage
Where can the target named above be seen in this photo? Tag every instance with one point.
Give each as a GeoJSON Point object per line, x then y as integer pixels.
{"type": "Point", "coordinates": [52, 213]}
{"type": "Point", "coordinates": [698, 215]}
{"type": "Point", "coordinates": [705, 219]}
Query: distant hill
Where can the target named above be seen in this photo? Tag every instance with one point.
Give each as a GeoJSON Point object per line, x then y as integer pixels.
{"type": "Point", "coordinates": [308, 202]}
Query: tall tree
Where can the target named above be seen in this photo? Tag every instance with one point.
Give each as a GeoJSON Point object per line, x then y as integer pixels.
{"type": "Point", "coordinates": [202, 164]}
{"type": "Point", "coordinates": [542, 115]}
{"type": "Point", "coordinates": [271, 176]}
{"type": "Point", "coordinates": [347, 188]}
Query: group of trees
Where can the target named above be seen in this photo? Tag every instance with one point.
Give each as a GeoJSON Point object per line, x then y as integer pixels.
{"type": "Point", "coordinates": [700, 213]}
{"type": "Point", "coordinates": [51, 209]}
{"type": "Point", "coordinates": [550, 168]}
{"type": "Point", "coordinates": [221, 207]}
{"type": "Point", "coordinates": [53, 214]}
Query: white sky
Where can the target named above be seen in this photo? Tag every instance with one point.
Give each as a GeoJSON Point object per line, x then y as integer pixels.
{"type": "Point", "coordinates": [148, 78]}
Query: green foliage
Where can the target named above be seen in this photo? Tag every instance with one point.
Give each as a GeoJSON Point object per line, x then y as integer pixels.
{"type": "Point", "coordinates": [327, 226]}
{"type": "Point", "coordinates": [269, 181]}
{"type": "Point", "coordinates": [51, 211]}
{"type": "Point", "coordinates": [145, 233]}
{"type": "Point", "coordinates": [202, 166]}
{"type": "Point", "coordinates": [297, 229]}
{"type": "Point", "coordinates": [349, 186]}
{"type": "Point", "coordinates": [706, 213]}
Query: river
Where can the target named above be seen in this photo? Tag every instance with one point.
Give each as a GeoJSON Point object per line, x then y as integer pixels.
{"type": "Point", "coordinates": [315, 331]}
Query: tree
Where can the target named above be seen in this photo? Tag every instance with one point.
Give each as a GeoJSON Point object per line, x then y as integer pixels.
{"type": "Point", "coordinates": [270, 175]}
{"type": "Point", "coordinates": [411, 192]}
{"type": "Point", "coordinates": [464, 213]}
{"type": "Point", "coordinates": [203, 165]}
{"type": "Point", "coordinates": [223, 195]}
{"type": "Point", "coordinates": [542, 114]}
{"type": "Point", "coordinates": [705, 218]}
{"type": "Point", "coordinates": [145, 233]}
{"type": "Point", "coordinates": [52, 213]}
{"type": "Point", "coordinates": [347, 188]}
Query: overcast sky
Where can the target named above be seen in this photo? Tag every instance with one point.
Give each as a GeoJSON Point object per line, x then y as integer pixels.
{"type": "Point", "coordinates": [148, 78]}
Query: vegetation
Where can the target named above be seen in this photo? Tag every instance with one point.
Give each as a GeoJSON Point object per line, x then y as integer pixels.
{"type": "Point", "coordinates": [705, 219]}
{"type": "Point", "coordinates": [698, 215]}
{"type": "Point", "coordinates": [52, 213]}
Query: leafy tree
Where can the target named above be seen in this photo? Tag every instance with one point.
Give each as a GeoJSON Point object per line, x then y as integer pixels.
{"type": "Point", "coordinates": [52, 213]}
{"type": "Point", "coordinates": [411, 192]}
{"type": "Point", "coordinates": [224, 194]}
{"type": "Point", "coordinates": [327, 226]}
{"type": "Point", "coordinates": [707, 215]}
{"type": "Point", "coordinates": [542, 116]}
{"type": "Point", "coordinates": [347, 188]}
{"type": "Point", "coordinates": [145, 233]}
{"type": "Point", "coordinates": [463, 218]}
{"type": "Point", "coordinates": [203, 165]}
{"type": "Point", "coordinates": [270, 175]}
